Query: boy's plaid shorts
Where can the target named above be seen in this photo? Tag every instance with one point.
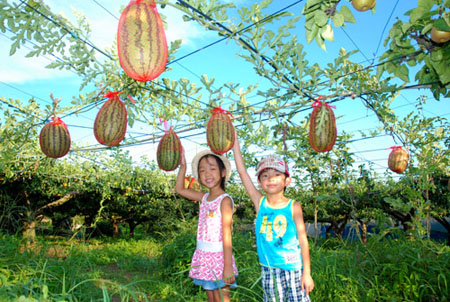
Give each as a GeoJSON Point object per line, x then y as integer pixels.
{"type": "Point", "coordinates": [282, 285]}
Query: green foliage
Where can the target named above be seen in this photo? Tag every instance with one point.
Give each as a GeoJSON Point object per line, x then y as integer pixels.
{"type": "Point", "coordinates": [107, 188]}
{"type": "Point", "coordinates": [176, 258]}
{"type": "Point", "coordinates": [318, 16]}
{"type": "Point", "coordinates": [410, 45]}
{"type": "Point", "coordinates": [387, 268]}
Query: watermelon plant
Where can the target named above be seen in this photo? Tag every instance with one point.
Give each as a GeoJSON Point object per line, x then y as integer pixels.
{"type": "Point", "coordinates": [55, 138]}
{"type": "Point", "coordinates": [398, 159]}
{"type": "Point", "coordinates": [141, 41]}
{"type": "Point", "coordinates": [220, 131]}
{"type": "Point", "coordinates": [322, 127]}
{"type": "Point", "coordinates": [168, 154]}
{"type": "Point", "coordinates": [110, 124]}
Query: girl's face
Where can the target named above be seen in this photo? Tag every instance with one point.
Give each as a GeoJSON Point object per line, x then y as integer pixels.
{"type": "Point", "coordinates": [209, 172]}
{"type": "Point", "coordinates": [273, 181]}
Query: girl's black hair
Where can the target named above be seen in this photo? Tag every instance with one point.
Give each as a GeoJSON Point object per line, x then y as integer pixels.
{"type": "Point", "coordinates": [221, 166]}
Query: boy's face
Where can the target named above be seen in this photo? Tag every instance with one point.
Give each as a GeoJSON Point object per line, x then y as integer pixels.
{"type": "Point", "coordinates": [273, 181]}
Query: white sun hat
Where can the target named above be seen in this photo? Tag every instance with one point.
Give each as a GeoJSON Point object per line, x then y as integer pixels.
{"type": "Point", "coordinates": [203, 153]}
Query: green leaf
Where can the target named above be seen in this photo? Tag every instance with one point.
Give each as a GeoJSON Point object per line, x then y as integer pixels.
{"type": "Point", "coordinates": [427, 28]}
{"type": "Point", "coordinates": [338, 19]}
{"type": "Point", "coordinates": [348, 15]}
{"type": "Point", "coordinates": [320, 42]}
{"type": "Point", "coordinates": [412, 63]}
{"type": "Point", "coordinates": [440, 66]}
{"type": "Point", "coordinates": [14, 47]}
{"type": "Point", "coordinates": [402, 72]}
{"type": "Point", "coordinates": [416, 14]}
{"type": "Point", "coordinates": [320, 18]}
{"type": "Point", "coordinates": [437, 55]}
{"type": "Point", "coordinates": [425, 4]}
{"type": "Point", "coordinates": [440, 24]}
{"type": "Point", "coordinates": [309, 24]}
{"type": "Point", "coordinates": [311, 34]}
{"type": "Point", "coordinates": [327, 33]}
{"type": "Point", "coordinates": [311, 5]}
{"type": "Point", "coordinates": [405, 27]}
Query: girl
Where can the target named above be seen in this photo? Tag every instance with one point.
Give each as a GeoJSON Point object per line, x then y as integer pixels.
{"type": "Point", "coordinates": [213, 265]}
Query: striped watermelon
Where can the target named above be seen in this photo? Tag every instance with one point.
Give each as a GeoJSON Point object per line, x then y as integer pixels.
{"type": "Point", "coordinates": [111, 122]}
{"type": "Point", "coordinates": [398, 159]}
{"type": "Point", "coordinates": [55, 138]}
{"type": "Point", "coordinates": [141, 41]}
{"type": "Point", "coordinates": [168, 154]}
{"type": "Point", "coordinates": [220, 131]}
{"type": "Point", "coordinates": [322, 127]}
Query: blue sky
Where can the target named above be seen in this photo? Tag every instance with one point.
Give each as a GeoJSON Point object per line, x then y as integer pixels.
{"type": "Point", "coordinates": [23, 78]}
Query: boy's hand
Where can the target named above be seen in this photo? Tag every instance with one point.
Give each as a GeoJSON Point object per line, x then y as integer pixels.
{"type": "Point", "coordinates": [307, 283]}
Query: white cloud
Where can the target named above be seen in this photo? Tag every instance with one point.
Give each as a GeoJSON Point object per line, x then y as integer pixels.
{"type": "Point", "coordinates": [104, 29]}
{"type": "Point", "coordinates": [19, 69]}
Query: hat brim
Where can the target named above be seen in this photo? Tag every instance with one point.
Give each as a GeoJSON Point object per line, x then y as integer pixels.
{"type": "Point", "coordinates": [203, 153]}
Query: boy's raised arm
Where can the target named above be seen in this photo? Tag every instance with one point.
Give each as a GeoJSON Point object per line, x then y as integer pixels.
{"type": "Point", "coordinates": [252, 191]}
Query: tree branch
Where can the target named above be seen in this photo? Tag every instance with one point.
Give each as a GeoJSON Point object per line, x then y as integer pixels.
{"type": "Point", "coordinates": [58, 202]}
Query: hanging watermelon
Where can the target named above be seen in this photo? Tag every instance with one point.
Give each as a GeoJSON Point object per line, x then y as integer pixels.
{"type": "Point", "coordinates": [55, 138]}
{"type": "Point", "coordinates": [322, 127]}
{"type": "Point", "coordinates": [220, 131]}
{"type": "Point", "coordinates": [111, 122]}
{"type": "Point", "coordinates": [141, 41]}
{"type": "Point", "coordinates": [398, 159]}
{"type": "Point", "coordinates": [168, 154]}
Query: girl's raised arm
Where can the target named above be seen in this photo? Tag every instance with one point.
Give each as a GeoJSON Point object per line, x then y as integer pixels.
{"type": "Point", "coordinates": [251, 189]}
{"type": "Point", "coordinates": [179, 185]}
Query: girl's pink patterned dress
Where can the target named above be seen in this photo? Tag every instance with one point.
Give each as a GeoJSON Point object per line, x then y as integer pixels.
{"type": "Point", "coordinates": [207, 262]}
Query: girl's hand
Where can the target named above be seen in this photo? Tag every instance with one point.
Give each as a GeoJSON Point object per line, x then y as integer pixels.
{"type": "Point", "coordinates": [307, 283]}
{"type": "Point", "coordinates": [236, 147]}
{"type": "Point", "coordinates": [183, 158]}
{"type": "Point", "coordinates": [228, 275]}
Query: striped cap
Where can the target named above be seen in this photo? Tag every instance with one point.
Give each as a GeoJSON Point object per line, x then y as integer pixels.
{"type": "Point", "coordinates": [272, 162]}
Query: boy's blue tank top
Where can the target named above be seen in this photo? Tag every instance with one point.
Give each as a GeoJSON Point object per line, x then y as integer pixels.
{"type": "Point", "coordinates": [276, 237]}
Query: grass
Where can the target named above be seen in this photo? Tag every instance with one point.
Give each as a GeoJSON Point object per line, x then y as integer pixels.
{"type": "Point", "coordinates": [143, 269]}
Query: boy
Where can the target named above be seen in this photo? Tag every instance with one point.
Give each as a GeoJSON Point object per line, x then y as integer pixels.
{"type": "Point", "coordinates": [281, 240]}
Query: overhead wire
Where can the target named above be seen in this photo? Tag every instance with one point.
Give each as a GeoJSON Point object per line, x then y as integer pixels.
{"type": "Point", "coordinates": [25, 92]}
{"type": "Point", "coordinates": [65, 28]}
{"type": "Point", "coordinates": [269, 17]}
{"type": "Point", "coordinates": [196, 127]}
{"type": "Point", "coordinates": [88, 43]}
{"type": "Point", "coordinates": [353, 42]}
{"type": "Point", "coordinates": [104, 8]}
{"type": "Point", "coordinates": [184, 3]}
{"type": "Point", "coordinates": [265, 100]}
{"type": "Point", "coordinates": [247, 45]}
{"type": "Point", "coordinates": [384, 28]}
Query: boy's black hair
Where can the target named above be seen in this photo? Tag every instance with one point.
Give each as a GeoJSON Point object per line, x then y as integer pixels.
{"type": "Point", "coordinates": [221, 166]}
